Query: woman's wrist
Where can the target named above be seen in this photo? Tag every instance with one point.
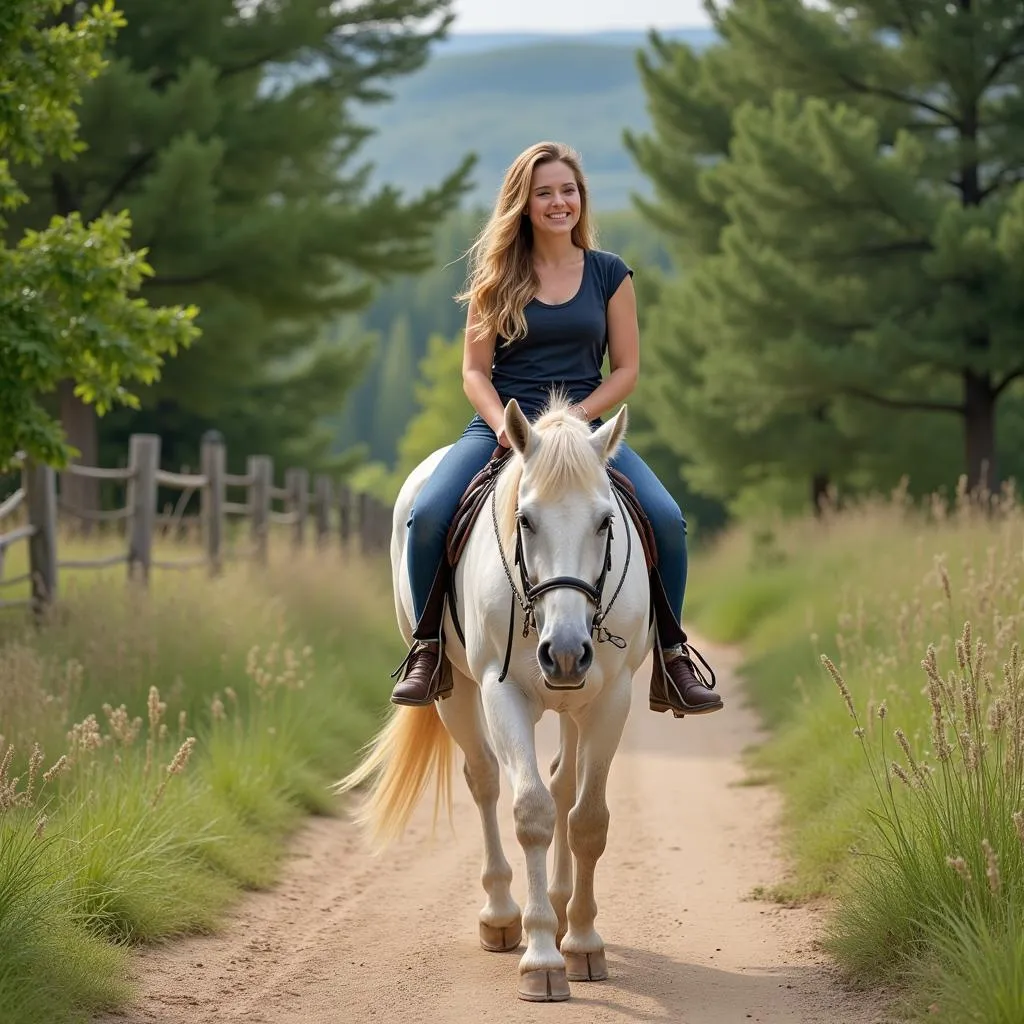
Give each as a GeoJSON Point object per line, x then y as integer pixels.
{"type": "Point", "coordinates": [579, 409]}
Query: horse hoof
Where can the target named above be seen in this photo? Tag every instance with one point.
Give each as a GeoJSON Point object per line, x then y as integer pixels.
{"type": "Point", "coordinates": [502, 939]}
{"type": "Point", "coordinates": [586, 966]}
{"type": "Point", "coordinates": [550, 986]}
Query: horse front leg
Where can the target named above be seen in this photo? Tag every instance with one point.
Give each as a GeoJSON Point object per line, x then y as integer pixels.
{"type": "Point", "coordinates": [500, 919]}
{"type": "Point", "coordinates": [599, 733]}
{"type": "Point", "coordinates": [512, 720]}
{"type": "Point", "coordinates": [563, 789]}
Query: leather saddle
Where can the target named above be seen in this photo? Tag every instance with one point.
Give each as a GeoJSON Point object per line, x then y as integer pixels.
{"type": "Point", "coordinates": [470, 505]}
{"type": "Point", "coordinates": [479, 490]}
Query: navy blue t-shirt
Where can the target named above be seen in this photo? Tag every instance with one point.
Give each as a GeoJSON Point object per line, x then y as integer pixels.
{"type": "Point", "coordinates": [565, 344]}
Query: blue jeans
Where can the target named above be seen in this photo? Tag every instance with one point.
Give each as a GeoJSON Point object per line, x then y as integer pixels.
{"type": "Point", "coordinates": [435, 506]}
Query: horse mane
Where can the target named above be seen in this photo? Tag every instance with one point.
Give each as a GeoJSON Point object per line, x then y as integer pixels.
{"type": "Point", "coordinates": [564, 459]}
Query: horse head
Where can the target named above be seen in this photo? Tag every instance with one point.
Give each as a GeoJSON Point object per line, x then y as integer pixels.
{"type": "Point", "coordinates": [558, 511]}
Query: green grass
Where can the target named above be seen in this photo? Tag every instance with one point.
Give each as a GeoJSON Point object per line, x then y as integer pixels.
{"type": "Point", "coordinates": [258, 687]}
{"type": "Point", "coordinates": [52, 968]}
{"type": "Point", "coordinates": [924, 765]}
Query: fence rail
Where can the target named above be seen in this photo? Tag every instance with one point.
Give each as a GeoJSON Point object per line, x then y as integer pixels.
{"type": "Point", "coordinates": [331, 508]}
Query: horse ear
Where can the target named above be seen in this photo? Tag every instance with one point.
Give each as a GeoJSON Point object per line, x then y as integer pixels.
{"type": "Point", "coordinates": [518, 429]}
{"type": "Point", "coordinates": [607, 438]}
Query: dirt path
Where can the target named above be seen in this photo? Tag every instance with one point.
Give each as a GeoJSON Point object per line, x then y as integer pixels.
{"type": "Point", "coordinates": [347, 939]}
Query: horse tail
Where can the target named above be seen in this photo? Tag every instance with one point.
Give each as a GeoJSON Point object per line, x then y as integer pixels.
{"type": "Point", "coordinates": [411, 746]}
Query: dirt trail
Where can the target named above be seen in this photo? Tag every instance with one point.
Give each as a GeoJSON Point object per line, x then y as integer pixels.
{"type": "Point", "coordinates": [347, 939]}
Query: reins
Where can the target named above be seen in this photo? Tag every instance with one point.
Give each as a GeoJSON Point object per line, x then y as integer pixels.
{"type": "Point", "coordinates": [594, 592]}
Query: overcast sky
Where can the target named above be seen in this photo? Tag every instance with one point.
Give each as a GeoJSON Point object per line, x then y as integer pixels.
{"type": "Point", "coordinates": [575, 15]}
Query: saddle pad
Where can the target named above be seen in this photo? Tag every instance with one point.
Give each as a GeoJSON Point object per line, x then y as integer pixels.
{"type": "Point", "coordinates": [471, 502]}
{"type": "Point", "coordinates": [479, 490]}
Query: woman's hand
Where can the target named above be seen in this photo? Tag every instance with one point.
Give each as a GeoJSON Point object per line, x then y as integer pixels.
{"type": "Point", "coordinates": [503, 438]}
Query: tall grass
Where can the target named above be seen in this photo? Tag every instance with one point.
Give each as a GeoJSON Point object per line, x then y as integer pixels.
{"type": "Point", "coordinates": [157, 745]}
{"type": "Point", "coordinates": [884, 648]}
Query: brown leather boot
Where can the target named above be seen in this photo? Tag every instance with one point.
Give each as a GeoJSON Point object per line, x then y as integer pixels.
{"type": "Point", "coordinates": [425, 679]}
{"type": "Point", "coordinates": [679, 686]}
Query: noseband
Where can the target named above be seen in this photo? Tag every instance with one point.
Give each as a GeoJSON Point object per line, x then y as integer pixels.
{"type": "Point", "coordinates": [594, 592]}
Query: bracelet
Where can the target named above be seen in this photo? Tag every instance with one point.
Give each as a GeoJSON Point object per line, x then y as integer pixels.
{"type": "Point", "coordinates": [583, 409]}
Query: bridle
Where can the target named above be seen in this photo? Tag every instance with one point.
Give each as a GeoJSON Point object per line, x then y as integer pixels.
{"type": "Point", "coordinates": [594, 592]}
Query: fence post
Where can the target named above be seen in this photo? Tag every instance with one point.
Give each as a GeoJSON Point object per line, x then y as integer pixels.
{"type": "Point", "coordinates": [345, 515]}
{"type": "Point", "coordinates": [143, 460]}
{"type": "Point", "coordinates": [213, 460]}
{"type": "Point", "coordinates": [261, 475]}
{"type": "Point", "coordinates": [323, 500]}
{"type": "Point", "coordinates": [296, 483]}
{"type": "Point", "coordinates": [40, 483]}
{"type": "Point", "coordinates": [365, 522]}
{"type": "Point", "coordinates": [382, 518]}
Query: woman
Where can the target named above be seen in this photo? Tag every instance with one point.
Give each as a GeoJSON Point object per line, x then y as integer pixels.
{"type": "Point", "coordinates": [543, 307]}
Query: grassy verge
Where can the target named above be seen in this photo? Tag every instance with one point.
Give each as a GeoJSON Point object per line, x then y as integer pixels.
{"type": "Point", "coordinates": [881, 648]}
{"type": "Point", "coordinates": [158, 745]}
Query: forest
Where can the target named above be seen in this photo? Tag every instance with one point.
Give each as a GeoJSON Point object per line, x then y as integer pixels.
{"type": "Point", "coordinates": [827, 255]}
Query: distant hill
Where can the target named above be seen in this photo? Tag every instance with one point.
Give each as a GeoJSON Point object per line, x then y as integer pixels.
{"type": "Point", "coordinates": [494, 94]}
{"type": "Point", "coordinates": [477, 42]}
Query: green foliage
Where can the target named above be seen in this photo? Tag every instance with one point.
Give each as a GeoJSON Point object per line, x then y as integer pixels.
{"type": "Point", "coordinates": [879, 806]}
{"type": "Point", "coordinates": [842, 196]}
{"type": "Point", "coordinates": [65, 305]}
{"type": "Point", "coordinates": [396, 384]}
{"type": "Point", "coordinates": [425, 303]}
{"type": "Point", "coordinates": [443, 409]}
{"type": "Point", "coordinates": [669, 461]}
{"type": "Point", "coordinates": [232, 142]}
{"type": "Point", "coordinates": [166, 808]}
{"type": "Point", "coordinates": [440, 413]}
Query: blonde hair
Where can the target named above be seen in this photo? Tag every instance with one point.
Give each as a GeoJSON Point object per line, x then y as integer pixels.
{"type": "Point", "coordinates": [501, 276]}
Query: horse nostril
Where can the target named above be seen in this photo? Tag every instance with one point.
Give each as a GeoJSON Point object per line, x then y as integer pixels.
{"type": "Point", "coordinates": [545, 658]}
{"type": "Point", "coordinates": [586, 659]}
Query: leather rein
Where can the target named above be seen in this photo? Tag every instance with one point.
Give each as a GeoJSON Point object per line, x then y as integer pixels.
{"type": "Point", "coordinates": [594, 592]}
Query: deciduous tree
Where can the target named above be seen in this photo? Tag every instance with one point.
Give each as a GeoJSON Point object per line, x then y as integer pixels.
{"type": "Point", "coordinates": [230, 132]}
{"type": "Point", "coordinates": [67, 305]}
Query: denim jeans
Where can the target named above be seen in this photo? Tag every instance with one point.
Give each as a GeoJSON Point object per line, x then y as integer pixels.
{"type": "Point", "coordinates": [436, 503]}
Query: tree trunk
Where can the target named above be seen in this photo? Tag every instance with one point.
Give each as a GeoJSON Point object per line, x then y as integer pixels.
{"type": "Point", "coordinates": [79, 423]}
{"type": "Point", "coordinates": [819, 492]}
{"type": "Point", "coordinates": [980, 431]}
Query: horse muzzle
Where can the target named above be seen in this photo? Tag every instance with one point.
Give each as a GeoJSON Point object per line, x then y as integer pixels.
{"type": "Point", "coordinates": [565, 661]}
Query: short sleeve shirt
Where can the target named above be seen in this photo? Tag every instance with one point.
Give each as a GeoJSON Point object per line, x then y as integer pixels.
{"type": "Point", "coordinates": [565, 343]}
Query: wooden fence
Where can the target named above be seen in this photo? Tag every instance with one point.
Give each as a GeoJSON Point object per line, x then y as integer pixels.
{"type": "Point", "coordinates": [35, 510]}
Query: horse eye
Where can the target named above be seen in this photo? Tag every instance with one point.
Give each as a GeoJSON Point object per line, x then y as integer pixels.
{"type": "Point", "coordinates": [525, 523]}
{"type": "Point", "coordinates": [605, 525]}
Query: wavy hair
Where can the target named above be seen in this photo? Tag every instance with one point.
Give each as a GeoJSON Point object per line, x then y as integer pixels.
{"type": "Point", "coordinates": [501, 276]}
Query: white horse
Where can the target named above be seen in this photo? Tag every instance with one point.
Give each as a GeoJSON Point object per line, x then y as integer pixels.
{"type": "Point", "coordinates": [581, 577]}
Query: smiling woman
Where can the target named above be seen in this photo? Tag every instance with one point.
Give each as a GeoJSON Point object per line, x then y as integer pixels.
{"type": "Point", "coordinates": [545, 306]}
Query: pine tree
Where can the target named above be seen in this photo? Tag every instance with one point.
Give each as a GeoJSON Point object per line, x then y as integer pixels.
{"type": "Point", "coordinates": [723, 452]}
{"type": "Point", "coordinates": [875, 213]}
{"type": "Point", "coordinates": [66, 305]}
{"type": "Point", "coordinates": [229, 131]}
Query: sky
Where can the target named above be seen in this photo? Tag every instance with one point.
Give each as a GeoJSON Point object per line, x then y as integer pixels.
{"type": "Point", "coordinates": [575, 15]}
